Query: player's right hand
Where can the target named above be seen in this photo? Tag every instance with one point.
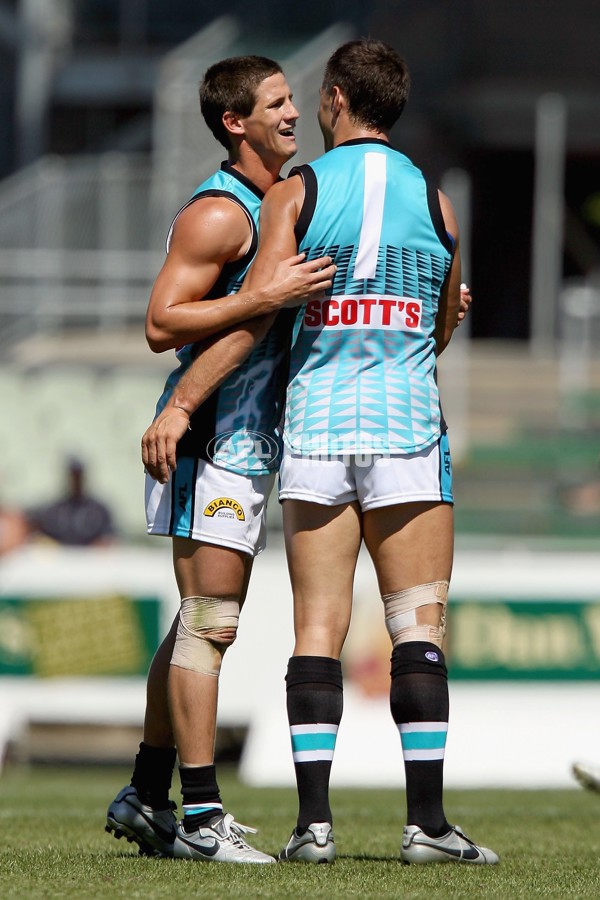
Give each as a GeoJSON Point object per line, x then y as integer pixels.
{"type": "Point", "coordinates": [159, 442]}
{"type": "Point", "coordinates": [295, 281]}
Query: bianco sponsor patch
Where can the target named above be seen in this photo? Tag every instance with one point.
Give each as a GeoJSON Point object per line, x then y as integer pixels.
{"type": "Point", "coordinates": [225, 508]}
{"type": "Point", "coordinates": [368, 311]}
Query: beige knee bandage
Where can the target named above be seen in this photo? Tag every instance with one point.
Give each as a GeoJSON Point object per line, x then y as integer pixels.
{"type": "Point", "coordinates": [401, 613]}
{"type": "Point", "coordinates": [207, 626]}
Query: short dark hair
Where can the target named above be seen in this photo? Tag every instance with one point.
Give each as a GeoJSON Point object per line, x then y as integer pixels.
{"type": "Point", "coordinates": [373, 77]}
{"type": "Point", "coordinates": [231, 84]}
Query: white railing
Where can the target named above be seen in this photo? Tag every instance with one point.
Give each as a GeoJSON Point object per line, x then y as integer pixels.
{"type": "Point", "coordinates": [74, 246]}
{"type": "Point", "coordinates": [81, 239]}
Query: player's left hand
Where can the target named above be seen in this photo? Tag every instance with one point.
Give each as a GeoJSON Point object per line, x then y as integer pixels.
{"type": "Point", "coordinates": [159, 442]}
{"type": "Point", "coordinates": [465, 302]}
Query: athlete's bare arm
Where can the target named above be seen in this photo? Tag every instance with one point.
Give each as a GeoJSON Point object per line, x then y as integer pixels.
{"type": "Point", "coordinates": [222, 355]}
{"type": "Point", "coordinates": [278, 216]}
{"type": "Point", "coordinates": [450, 298]}
{"type": "Point", "coordinates": [208, 234]}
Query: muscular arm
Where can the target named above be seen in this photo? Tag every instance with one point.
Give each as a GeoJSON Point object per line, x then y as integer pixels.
{"type": "Point", "coordinates": [450, 298]}
{"type": "Point", "coordinates": [278, 216]}
{"type": "Point", "coordinates": [222, 355]}
{"type": "Point", "coordinates": [208, 234]}
{"type": "Point", "coordinates": [220, 358]}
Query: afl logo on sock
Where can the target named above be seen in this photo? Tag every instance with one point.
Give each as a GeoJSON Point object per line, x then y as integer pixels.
{"type": "Point", "coordinates": [225, 508]}
{"type": "Point", "coordinates": [432, 656]}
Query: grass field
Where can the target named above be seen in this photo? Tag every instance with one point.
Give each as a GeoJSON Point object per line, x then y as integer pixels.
{"type": "Point", "coordinates": [53, 844]}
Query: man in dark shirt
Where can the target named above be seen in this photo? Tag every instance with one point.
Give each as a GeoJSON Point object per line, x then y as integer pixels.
{"type": "Point", "coordinates": [77, 519]}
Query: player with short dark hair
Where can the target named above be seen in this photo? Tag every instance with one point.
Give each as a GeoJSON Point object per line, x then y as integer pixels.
{"type": "Point", "coordinates": [375, 80]}
{"type": "Point", "coordinates": [373, 462]}
{"type": "Point", "coordinates": [231, 84]}
{"type": "Point", "coordinates": [214, 509]}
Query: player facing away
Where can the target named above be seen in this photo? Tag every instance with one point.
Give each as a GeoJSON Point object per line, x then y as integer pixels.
{"type": "Point", "coordinates": [366, 453]}
{"type": "Point", "coordinates": [248, 105]}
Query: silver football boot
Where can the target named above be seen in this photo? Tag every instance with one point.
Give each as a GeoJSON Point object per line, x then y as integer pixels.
{"type": "Point", "coordinates": [316, 845]}
{"type": "Point", "coordinates": [221, 840]}
{"type": "Point", "coordinates": [153, 830]}
{"type": "Point", "coordinates": [454, 846]}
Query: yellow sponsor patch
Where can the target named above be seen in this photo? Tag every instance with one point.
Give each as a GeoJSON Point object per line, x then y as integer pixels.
{"type": "Point", "coordinates": [225, 507]}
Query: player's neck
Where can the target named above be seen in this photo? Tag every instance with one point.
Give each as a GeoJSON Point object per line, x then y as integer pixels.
{"type": "Point", "coordinates": [262, 173]}
{"type": "Point", "coordinates": [346, 131]}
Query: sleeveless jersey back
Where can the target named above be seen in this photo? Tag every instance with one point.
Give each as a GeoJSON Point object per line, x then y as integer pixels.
{"type": "Point", "coordinates": [363, 363]}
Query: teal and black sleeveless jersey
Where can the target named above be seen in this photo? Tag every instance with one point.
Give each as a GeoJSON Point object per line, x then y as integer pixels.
{"type": "Point", "coordinates": [237, 427]}
{"type": "Point", "coordinates": [363, 361]}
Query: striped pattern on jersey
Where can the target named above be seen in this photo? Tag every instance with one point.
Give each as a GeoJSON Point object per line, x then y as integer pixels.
{"type": "Point", "coordinates": [363, 361]}
{"type": "Point", "coordinates": [422, 741]}
{"type": "Point", "coordinates": [237, 427]}
{"type": "Point", "coordinates": [313, 743]}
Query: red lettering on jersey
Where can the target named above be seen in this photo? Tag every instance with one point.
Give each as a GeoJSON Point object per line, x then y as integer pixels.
{"type": "Point", "coordinates": [387, 310]}
{"type": "Point", "coordinates": [349, 312]}
{"type": "Point", "coordinates": [413, 314]}
{"type": "Point", "coordinates": [312, 314]}
{"type": "Point", "coordinates": [328, 317]}
{"type": "Point", "coordinates": [353, 311]}
{"type": "Point", "coordinates": [367, 304]}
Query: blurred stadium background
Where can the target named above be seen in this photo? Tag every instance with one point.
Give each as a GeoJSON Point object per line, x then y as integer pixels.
{"type": "Point", "coordinates": [103, 141]}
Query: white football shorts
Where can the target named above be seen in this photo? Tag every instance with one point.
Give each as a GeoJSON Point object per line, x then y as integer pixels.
{"type": "Point", "coordinates": [372, 479]}
{"type": "Point", "coordinates": [206, 503]}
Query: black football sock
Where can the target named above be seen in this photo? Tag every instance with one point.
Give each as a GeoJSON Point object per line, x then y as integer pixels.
{"type": "Point", "coordinates": [314, 707]}
{"type": "Point", "coordinates": [201, 797]}
{"type": "Point", "coordinates": [419, 706]}
{"type": "Point", "coordinates": [152, 775]}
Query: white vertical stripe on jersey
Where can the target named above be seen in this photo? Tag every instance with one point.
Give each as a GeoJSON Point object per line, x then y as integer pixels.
{"type": "Point", "coordinates": [365, 265]}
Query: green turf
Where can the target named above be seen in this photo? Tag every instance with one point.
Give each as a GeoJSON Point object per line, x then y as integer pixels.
{"type": "Point", "coordinates": [53, 844]}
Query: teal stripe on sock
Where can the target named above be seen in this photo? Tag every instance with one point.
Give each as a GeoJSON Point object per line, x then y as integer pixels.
{"type": "Point", "coordinates": [319, 741]}
{"type": "Point", "coordinates": [423, 740]}
{"type": "Point", "coordinates": [195, 810]}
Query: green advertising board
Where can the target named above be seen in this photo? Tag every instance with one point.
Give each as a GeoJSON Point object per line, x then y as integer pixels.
{"type": "Point", "coordinates": [110, 634]}
{"type": "Point", "coordinates": [523, 639]}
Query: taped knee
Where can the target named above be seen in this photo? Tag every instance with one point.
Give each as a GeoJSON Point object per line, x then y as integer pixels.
{"type": "Point", "coordinates": [401, 613]}
{"type": "Point", "coordinates": [207, 626]}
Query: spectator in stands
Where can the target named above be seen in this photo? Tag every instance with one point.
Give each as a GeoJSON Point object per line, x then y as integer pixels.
{"type": "Point", "coordinates": [77, 519]}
